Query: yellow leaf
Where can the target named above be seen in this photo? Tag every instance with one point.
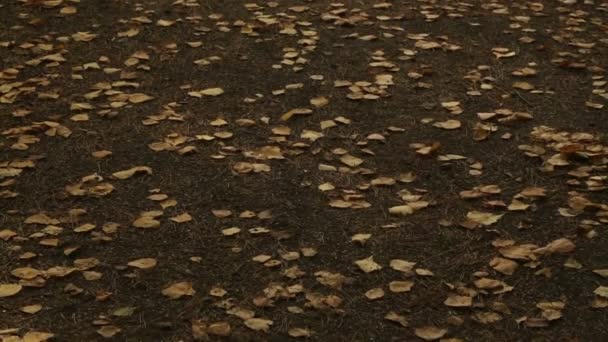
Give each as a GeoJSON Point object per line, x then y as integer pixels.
{"type": "Point", "coordinates": [351, 161]}
{"type": "Point", "coordinates": [139, 98]}
{"type": "Point", "coordinates": [231, 231]}
{"type": "Point", "coordinates": [177, 290]}
{"type": "Point", "coordinates": [299, 332]}
{"type": "Point", "coordinates": [181, 218]}
{"type": "Point", "coordinates": [430, 333]}
{"type": "Point", "coordinates": [601, 291]}
{"type": "Point", "coordinates": [132, 171]}
{"type": "Point", "coordinates": [146, 222]}
{"type": "Point", "coordinates": [375, 293]}
{"type": "Point", "coordinates": [144, 263]}
{"type": "Point", "coordinates": [108, 331]}
{"type": "Point", "coordinates": [7, 290]}
{"type": "Point", "coordinates": [401, 210]}
{"type": "Point", "coordinates": [483, 218]}
{"type": "Point", "coordinates": [212, 91]}
{"type": "Point", "coordinates": [258, 324]}
{"type": "Point", "coordinates": [37, 336]}
{"type": "Point", "coordinates": [448, 124]}
{"type": "Point", "coordinates": [398, 286]}
{"type": "Point", "coordinates": [31, 309]}
{"type": "Point", "coordinates": [219, 329]}
{"type": "Point", "coordinates": [397, 318]}
{"type": "Point", "coordinates": [402, 265]}
{"type": "Point", "coordinates": [458, 301]}
{"type": "Point", "coordinates": [368, 265]}
{"type": "Point", "coordinates": [26, 273]}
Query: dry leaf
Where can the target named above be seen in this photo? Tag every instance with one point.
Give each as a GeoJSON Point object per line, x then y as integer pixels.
{"type": "Point", "coordinates": [181, 218]}
{"type": "Point", "coordinates": [401, 210]}
{"type": "Point", "coordinates": [132, 171]}
{"type": "Point", "coordinates": [144, 263]}
{"type": "Point", "coordinates": [395, 317]}
{"type": "Point", "coordinates": [375, 293]}
{"type": "Point", "coordinates": [458, 301]}
{"type": "Point", "coordinates": [146, 222]}
{"type": "Point", "coordinates": [177, 290]}
{"type": "Point", "coordinates": [430, 333]}
{"type": "Point", "coordinates": [400, 286]}
{"type": "Point", "coordinates": [448, 124]}
{"type": "Point", "coordinates": [108, 331]}
{"type": "Point", "coordinates": [483, 218]}
{"type": "Point", "coordinates": [231, 231]}
{"type": "Point", "coordinates": [37, 336]}
{"type": "Point", "coordinates": [258, 324]}
{"type": "Point", "coordinates": [299, 332]}
{"type": "Point", "coordinates": [7, 290]}
{"type": "Point", "coordinates": [351, 160]}
{"type": "Point", "coordinates": [368, 265]}
{"type": "Point", "coordinates": [31, 309]}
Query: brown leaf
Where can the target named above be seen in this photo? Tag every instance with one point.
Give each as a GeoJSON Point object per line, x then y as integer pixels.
{"type": "Point", "coordinates": [132, 171]}
{"type": "Point", "coordinates": [144, 263]}
{"type": "Point", "coordinates": [430, 333]}
{"type": "Point", "coordinates": [258, 324]}
{"type": "Point", "coordinates": [108, 331]}
{"type": "Point", "coordinates": [37, 336]}
{"type": "Point", "coordinates": [368, 265]}
{"type": "Point", "coordinates": [7, 290]}
{"type": "Point", "coordinates": [375, 293]}
{"type": "Point", "coordinates": [299, 332]}
{"type": "Point", "coordinates": [395, 317]}
{"type": "Point", "coordinates": [179, 289]}
{"type": "Point", "coordinates": [458, 301]}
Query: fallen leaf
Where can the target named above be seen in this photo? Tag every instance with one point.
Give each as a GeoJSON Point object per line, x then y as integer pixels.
{"type": "Point", "coordinates": [179, 289]}
{"type": "Point", "coordinates": [430, 333]}
{"type": "Point", "coordinates": [601, 291]}
{"type": "Point", "coordinates": [448, 124]}
{"type": "Point", "coordinates": [351, 160]}
{"type": "Point", "coordinates": [7, 290]}
{"type": "Point", "coordinates": [181, 218]}
{"type": "Point", "coordinates": [231, 231]}
{"type": "Point", "coordinates": [395, 317]}
{"type": "Point", "coordinates": [299, 332]}
{"type": "Point", "coordinates": [146, 222]}
{"type": "Point", "coordinates": [400, 286]}
{"type": "Point", "coordinates": [31, 309]}
{"type": "Point", "coordinates": [458, 301]}
{"type": "Point", "coordinates": [368, 265]}
{"type": "Point", "coordinates": [483, 218]}
{"type": "Point", "coordinates": [375, 293]}
{"type": "Point", "coordinates": [108, 331]}
{"type": "Point", "coordinates": [132, 171]}
{"type": "Point", "coordinates": [258, 324]}
{"type": "Point", "coordinates": [37, 336]}
{"type": "Point", "coordinates": [401, 210]}
{"type": "Point", "coordinates": [144, 263]}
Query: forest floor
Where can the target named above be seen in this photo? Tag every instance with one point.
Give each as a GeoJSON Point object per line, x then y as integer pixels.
{"type": "Point", "coordinates": [303, 170]}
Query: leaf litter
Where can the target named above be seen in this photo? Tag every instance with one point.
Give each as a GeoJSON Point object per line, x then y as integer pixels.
{"type": "Point", "coordinates": [305, 156]}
